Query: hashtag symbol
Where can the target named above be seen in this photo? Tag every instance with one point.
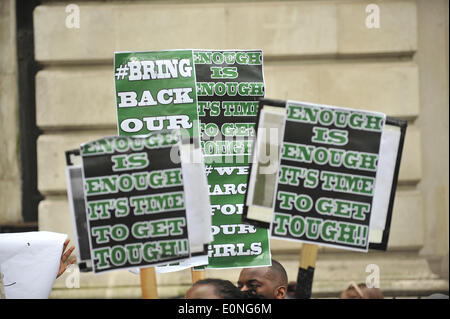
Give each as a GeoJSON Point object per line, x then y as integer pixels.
{"type": "Point", "coordinates": [208, 169]}
{"type": "Point", "coordinates": [121, 72]}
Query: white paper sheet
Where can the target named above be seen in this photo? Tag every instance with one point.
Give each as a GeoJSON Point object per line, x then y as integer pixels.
{"type": "Point", "coordinates": [263, 179]}
{"type": "Point", "coordinates": [29, 263]}
{"type": "Point", "coordinates": [184, 264]}
{"type": "Point", "coordinates": [390, 139]}
{"type": "Point", "coordinates": [197, 202]}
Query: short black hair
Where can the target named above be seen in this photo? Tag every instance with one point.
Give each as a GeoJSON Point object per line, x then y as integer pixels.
{"type": "Point", "coordinates": [278, 271]}
{"type": "Point", "coordinates": [227, 290]}
{"type": "Point", "coordinates": [222, 288]}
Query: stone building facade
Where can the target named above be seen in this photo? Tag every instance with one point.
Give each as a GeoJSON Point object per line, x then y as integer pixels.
{"type": "Point", "coordinates": [329, 52]}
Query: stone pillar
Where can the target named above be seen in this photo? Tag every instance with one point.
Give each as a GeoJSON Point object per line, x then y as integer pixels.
{"type": "Point", "coordinates": [10, 182]}
{"type": "Point", "coordinates": [432, 58]}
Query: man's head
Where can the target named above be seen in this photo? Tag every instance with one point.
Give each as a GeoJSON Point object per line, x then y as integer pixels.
{"type": "Point", "coordinates": [361, 291]}
{"type": "Point", "coordinates": [270, 282]}
{"type": "Point", "coordinates": [213, 289]}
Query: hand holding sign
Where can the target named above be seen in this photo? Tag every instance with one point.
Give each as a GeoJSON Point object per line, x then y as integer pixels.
{"type": "Point", "coordinates": [65, 254]}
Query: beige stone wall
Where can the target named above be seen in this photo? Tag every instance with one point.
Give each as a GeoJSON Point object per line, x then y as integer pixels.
{"type": "Point", "coordinates": [10, 185]}
{"type": "Point", "coordinates": [316, 51]}
{"type": "Point", "coordinates": [432, 59]}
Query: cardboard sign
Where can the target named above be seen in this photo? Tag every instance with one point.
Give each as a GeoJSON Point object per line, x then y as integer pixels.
{"type": "Point", "coordinates": [172, 89]}
{"type": "Point", "coordinates": [196, 203]}
{"type": "Point", "coordinates": [228, 86]}
{"type": "Point", "coordinates": [77, 204]}
{"type": "Point", "coordinates": [235, 244]}
{"type": "Point", "coordinates": [391, 148]}
{"type": "Point", "coordinates": [135, 201]}
{"type": "Point", "coordinates": [264, 167]}
{"type": "Point", "coordinates": [155, 91]}
{"type": "Point", "coordinates": [263, 182]}
{"type": "Point", "coordinates": [192, 262]}
{"type": "Point", "coordinates": [161, 90]}
{"type": "Point", "coordinates": [326, 179]}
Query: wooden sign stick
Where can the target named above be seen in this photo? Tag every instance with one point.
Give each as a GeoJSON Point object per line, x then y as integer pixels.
{"type": "Point", "coordinates": [2, 290]}
{"type": "Point", "coordinates": [197, 275]}
{"type": "Point", "coordinates": [148, 283]}
{"type": "Point", "coordinates": [306, 268]}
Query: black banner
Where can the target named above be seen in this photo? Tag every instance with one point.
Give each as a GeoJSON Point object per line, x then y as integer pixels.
{"type": "Point", "coordinates": [228, 86]}
{"type": "Point", "coordinates": [326, 179]}
{"type": "Point", "coordinates": [135, 201]}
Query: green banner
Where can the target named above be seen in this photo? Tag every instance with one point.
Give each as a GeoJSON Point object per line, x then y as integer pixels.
{"type": "Point", "coordinates": [155, 91]}
{"type": "Point", "coordinates": [213, 94]}
{"type": "Point", "coordinates": [235, 244]}
{"type": "Point", "coordinates": [229, 83]}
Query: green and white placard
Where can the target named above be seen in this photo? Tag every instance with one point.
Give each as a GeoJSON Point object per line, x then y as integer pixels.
{"type": "Point", "coordinates": [212, 95]}
{"type": "Point", "coordinates": [235, 244]}
{"type": "Point", "coordinates": [155, 91]}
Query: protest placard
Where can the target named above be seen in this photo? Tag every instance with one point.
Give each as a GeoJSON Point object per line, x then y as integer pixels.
{"type": "Point", "coordinates": [135, 201]}
{"type": "Point", "coordinates": [172, 89]}
{"type": "Point", "coordinates": [261, 192]}
{"type": "Point", "coordinates": [155, 91]}
{"type": "Point", "coordinates": [229, 83]}
{"type": "Point", "coordinates": [327, 175]}
{"type": "Point", "coordinates": [391, 149]}
{"type": "Point", "coordinates": [77, 205]}
{"type": "Point", "coordinates": [196, 204]}
{"type": "Point", "coordinates": [236, 244]}
{"type": "Point", "coordinates": [260, 201]}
